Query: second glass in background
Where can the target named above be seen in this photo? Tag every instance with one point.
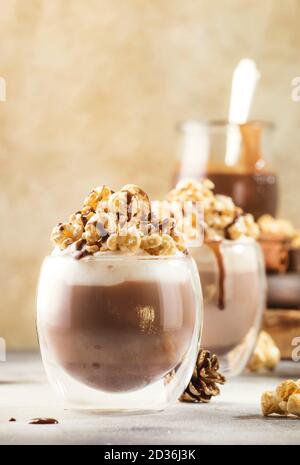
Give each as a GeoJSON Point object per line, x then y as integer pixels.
{"type": "Point", "coordinates": [234, 288]}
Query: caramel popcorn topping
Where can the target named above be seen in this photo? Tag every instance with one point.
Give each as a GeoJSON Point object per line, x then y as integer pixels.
{"type": "Point", "coordinates": [295, 243]}
{"type": "Point", "coordinates": [117, 221]}
{"type": "Point", "coordinates": [222, 218]}
{"type": "Point", "coordinates": [278, 228]}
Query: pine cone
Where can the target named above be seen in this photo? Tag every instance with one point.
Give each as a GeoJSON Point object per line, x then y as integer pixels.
{"type": "Point", "coordinates": [203, 384]}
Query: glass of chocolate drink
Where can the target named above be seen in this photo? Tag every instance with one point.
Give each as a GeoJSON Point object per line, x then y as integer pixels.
{"type": "Point", "coordinates": [232, 273]}
{"type": "Point", "coordinates": [237, 158]}
{"type": "Point", "coordinates": [119, 310]}
{"type": "Point", "coordinates": [233, 285]}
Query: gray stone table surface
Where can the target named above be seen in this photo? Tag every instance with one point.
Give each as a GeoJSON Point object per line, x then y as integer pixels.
{"type": "Point", "coordinates": [232, 418]}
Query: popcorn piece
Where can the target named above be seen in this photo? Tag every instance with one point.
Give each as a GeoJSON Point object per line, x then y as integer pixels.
{"type": "Point", "coordinates": [279, 239]}
{"type": "Point", "coordinates": [285, 389]}
{"type": "Point", "coordinates": [91, 234]}
{"type": "Point", "coordinates": [266, 354]}
{"type": "Point", "coordinates": [224, 204]}
{"type": "Point", "coordinates": [82, 216]}
{"type": "Point", "coordinates": [65, 234]}
{"type": "Point", "coordinates": [244, 226]}
{"type": "Point", "coordinates": [119, 203]}
{"type": "Point", "coordinates": [100, 193]}
{"type": "Point", "coordinates": [258, 361]}
{"type": "Point", "coordinates": [269, 404]}
{"type": "Point", "coordinates": [213, 235]}
{"type": "Point", "coordinates": [136, 192]}
{"type": "Point", "coordinates": [159, 245]}
{"type": "Point", "coordinates": [130, 201]}
{"type": "Point", "coordinates": [283, 407]}
{"type": "Point", "coordinates": [189, 189]}
{"type": "Point", "coordinates": [168, 246]}
{"type": "Point", "coordinates": [293, 404]}
{"type": "Point", "coordinates": [105, 223]}
{"type": "Point", "coordinates": [151, 242]}
{"type": "Point", "coordinates": [273, 357]}
{"type": "Point", "coordinates": [295, 243]}
{"type": "Point", "coordinates": [112, 242]}
{"type": "Point", "coordinates": [130, 242]}
{"type": "Point", "coordinates": [99, 227]}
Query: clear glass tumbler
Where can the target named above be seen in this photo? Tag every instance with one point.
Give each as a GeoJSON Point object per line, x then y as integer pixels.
{"type": "Point", "coordinates": [119, 333]}
{"type": "Point", "coordinates": [234, 291]}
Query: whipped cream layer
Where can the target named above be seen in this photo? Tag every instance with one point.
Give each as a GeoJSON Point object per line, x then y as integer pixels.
{"type": "Point", "coordinates": [108, 269]}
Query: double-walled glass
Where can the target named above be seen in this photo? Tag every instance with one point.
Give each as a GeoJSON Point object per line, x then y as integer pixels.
{"type": "Point", "coordinates": [234, 291]}
{"type": "Point", "coordinates": [119, 333]}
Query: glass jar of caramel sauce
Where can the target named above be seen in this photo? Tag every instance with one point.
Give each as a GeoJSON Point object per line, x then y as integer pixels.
{"type": "Point", "coordinates": [236, 157]}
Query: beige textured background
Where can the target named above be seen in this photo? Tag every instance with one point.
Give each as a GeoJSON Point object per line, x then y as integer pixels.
{"type": "Point", "coordinates": [94, 88]}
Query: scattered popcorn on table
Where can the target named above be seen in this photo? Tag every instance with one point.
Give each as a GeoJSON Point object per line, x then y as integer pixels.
{"type": "Point", "coordinates": [285, 400]}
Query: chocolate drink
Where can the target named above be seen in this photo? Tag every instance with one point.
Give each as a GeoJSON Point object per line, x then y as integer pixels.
{"type": "Point", "coordinates": [123, 336]}
{"type": "Point", "coordinates": [224, 329]}
{"type": "Point", "coordinates": [255, 193]}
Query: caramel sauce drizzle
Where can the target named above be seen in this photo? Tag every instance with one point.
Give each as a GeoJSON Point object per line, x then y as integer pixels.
{"type": "Point", "coordinates": [251, 146]}
{"type": "Point", "coordinates": [215, 246]}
